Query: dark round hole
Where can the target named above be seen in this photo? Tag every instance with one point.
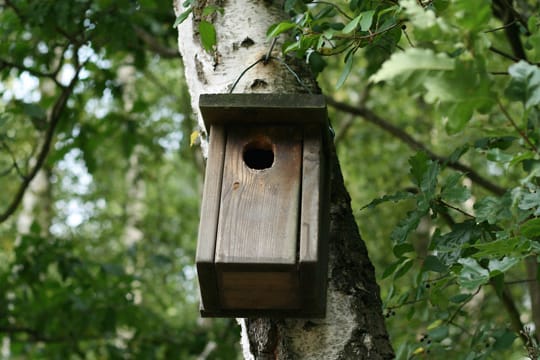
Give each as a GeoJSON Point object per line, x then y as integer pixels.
{"type": "Point", "coordinates": [259, 154]}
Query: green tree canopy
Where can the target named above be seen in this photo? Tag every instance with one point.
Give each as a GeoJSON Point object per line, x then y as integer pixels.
{"type": "Point", "coordinates": [436, 110]}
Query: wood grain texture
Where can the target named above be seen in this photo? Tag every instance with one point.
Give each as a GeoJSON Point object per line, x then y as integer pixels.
{"type": "Point", "coordinates": [209, 218]}
{"type": "Point", "coordinates": [259, 290]}
{"type": "Point", "coordinates": [275, 108]}
{"type": "Point", "coordinates": [258, 219]}
{"type": "Point", "coordinates": [311, 194]}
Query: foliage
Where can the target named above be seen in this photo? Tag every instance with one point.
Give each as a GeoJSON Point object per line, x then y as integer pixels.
{"type": "Point", "coordinates": [450, 184]}
{"type": "Point", "coordinates": [450, 77]}
{"type": "Point", "coordinates": [91, 109]}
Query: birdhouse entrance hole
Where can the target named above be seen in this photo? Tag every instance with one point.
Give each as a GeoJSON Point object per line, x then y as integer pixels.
{"type": "Point", "coordinates": [259, 154]}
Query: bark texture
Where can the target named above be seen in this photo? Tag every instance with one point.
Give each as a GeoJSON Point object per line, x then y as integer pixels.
{"type": "Point", "coordinates": [354, 325]}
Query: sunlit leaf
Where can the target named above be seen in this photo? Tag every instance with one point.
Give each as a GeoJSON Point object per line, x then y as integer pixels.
{"type": "Point", "coordinates": [346, 71]}
{"type": "Point", "coordinates": [280, 28]}
{"type": "Point", "coordinates": [208, 35]}
{"type": "Point", "coordinates": [525, 84]}
{"type": "Point", "coordinates": [472, 275]}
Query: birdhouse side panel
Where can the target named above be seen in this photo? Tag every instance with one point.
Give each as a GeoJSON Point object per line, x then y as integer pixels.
{"type": "Point", "coordinates": [208, 225]}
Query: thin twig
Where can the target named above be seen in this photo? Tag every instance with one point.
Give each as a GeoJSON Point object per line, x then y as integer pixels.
{"type": "Point", "coordinates": [514, 125]}
{"type": "Point", "coordinates": [471, 296]}
{"type": "Point", "coordinates": [269, 52]}
{"type": "Point", "coordinates": [503, 54]}
{"type": "Point", "coordinates": [456, 209]}
{"type": "Point", "coordinates": [13, 160]}
{"type": "Point", "coordinates": [501, 27]}
{"type": "Point", "coordinates": [243, 73]}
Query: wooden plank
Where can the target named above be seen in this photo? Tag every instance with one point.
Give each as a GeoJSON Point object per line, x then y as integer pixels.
{"type": "Point", "coordinates": [311, 194]}
{"type": "Point", "coordinates": [314, 218]}
{"type": "Point", "coordinates": [284, 109]}
{"type": "Point", "coordinates": [258, 220]}
{"type": "Point", "coordinates": [260, 290]}
{"type": "Point", "coordinates": [209, 218]}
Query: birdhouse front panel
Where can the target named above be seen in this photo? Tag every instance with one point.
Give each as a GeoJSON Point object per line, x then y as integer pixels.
{"type": "Point", "coordinates": [257, 236]}
{"type": "Point", "coordinates": [262, 247]}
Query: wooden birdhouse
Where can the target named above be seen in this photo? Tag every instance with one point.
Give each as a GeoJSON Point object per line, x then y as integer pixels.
{"type": "Point", "coordinates": [262, 248]}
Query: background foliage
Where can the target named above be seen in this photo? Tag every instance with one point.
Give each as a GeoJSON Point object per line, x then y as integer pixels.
{"type": "Point", "coordinates": [436, 110]}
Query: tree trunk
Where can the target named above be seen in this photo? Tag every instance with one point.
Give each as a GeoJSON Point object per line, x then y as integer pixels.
{"type": "Point", "coordinates": [354, 325]}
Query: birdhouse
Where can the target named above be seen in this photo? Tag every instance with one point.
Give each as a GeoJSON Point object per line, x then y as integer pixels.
{"type": "Point", "coordinates": [262, 247]}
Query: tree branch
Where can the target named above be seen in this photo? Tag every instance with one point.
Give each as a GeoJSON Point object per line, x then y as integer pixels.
{"type": "Point", "coordinates": [52, 76]}
{"type": "Point", "coordinates": [54, 118]}
{"type": "Point", "coordinates": [375, 119]}
{"type": "Point", "coordinates": [504, 10]}
{"type": "Point", "coordinates": [508, 302]}
{"type": "Point", "coordinates": [503, 54]}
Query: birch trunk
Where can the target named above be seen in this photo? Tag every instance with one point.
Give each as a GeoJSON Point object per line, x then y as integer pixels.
{"type": "Point", "coordinates": [354, 325]}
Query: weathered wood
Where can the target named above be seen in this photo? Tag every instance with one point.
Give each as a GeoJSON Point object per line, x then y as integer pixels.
{"type": "Point", "coordinates": [270, 252]}
{"type": "Point", "coordinates": [260, 290]}
{"type": "Point", "coordinates": [209, 218]}
{"type": "Point", "coordinates": [285, 109]}
{"type": "Point", "coordinates": [313, 252]}
{"type": "Point", "coordinates": [258, 219]}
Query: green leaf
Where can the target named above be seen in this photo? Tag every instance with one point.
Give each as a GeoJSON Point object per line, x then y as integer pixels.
{"type": "Point", "coordinates": [502, 142]}
{"type": "Point", "coordinates": [525, 84]}
{"type": "Point", "coordinates": [208, 35]}
{"type": "Point", "coordinates": [458, 115]}
{"type": "Point", "coordinates": [277, 29]}
{"type": "Point", "coordinates": [496, 155]}
{"type": "Point", "coordinates": [403, 268]}
{"type": "Point", "coordinates": [532, 23]}
{"type": "Point", "coordinates": [209, 10]}
{"type": "Point", "coordinates": [351, 26]}
{"type": "Point", "coordinates": [410, 60]}
{"type": "Point", "coordinates": [366, 20]}
{"type": "Point", "coordinates": [459, 298]}
{"type": "Point", "coordinates": [316, 62]}
{"type": "Point", "coordinates": [392, 267]}
{"type": "Point", "coordinates": [531, 228]}
{"type": "Point", "coordinates": [449, 246]}
{"type": "Point", "coordinates": [453, 191]}
{"type": "Point", "coordinates": [405, 226]}
{"type": "Point", "coordinates": [432, 263]}
{"type": "Point", "coordinates": [472, 275]}
{"type": "Point", "coordinates": [502, 247]}
{"type": "Point", "coordinates": [493, 209]}
{"type": "Point", "coordinates": [346, 70]}
{"type": "Point", "coordinates": [182, 17]}
{"type": "Point", "coordinates": [401, 249]}
{"type": "Point", "coordinates": [530, 201]}
{"type": "Point", "coordinates": [504, 340]}
{"type": "Point", "coordinates": [497, 266]}
{"type": "Point", "coordinates": [419, 167]}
